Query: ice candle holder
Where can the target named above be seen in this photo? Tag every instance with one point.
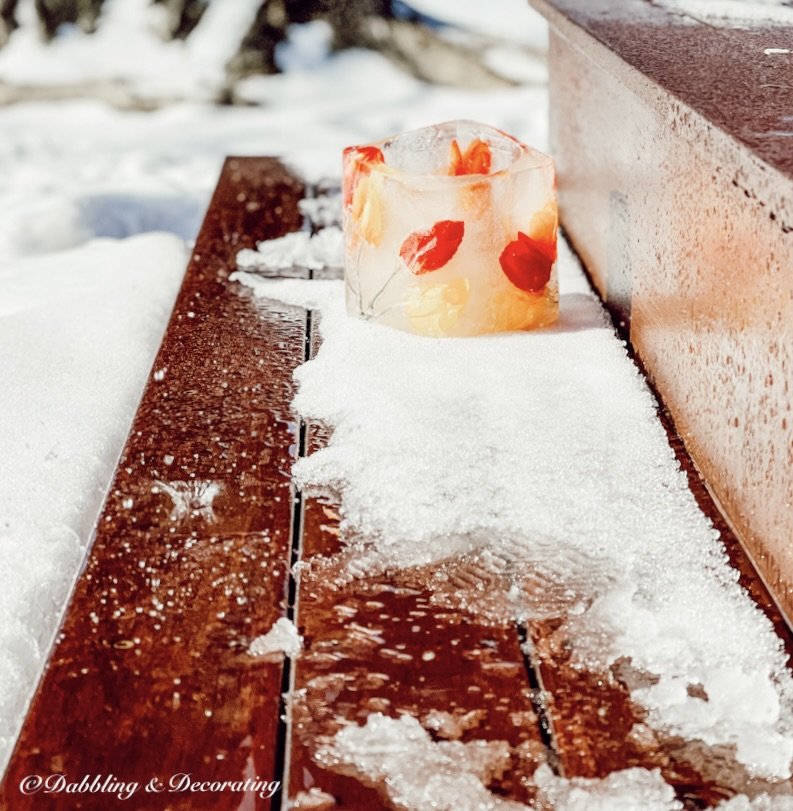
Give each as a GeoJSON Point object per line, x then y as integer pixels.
{"type": "Point", "coordinates": [451, 230]}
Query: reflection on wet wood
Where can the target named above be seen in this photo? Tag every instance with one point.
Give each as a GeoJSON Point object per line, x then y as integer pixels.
{"type": "Point", "coordinates": [150, 676]}
{"type": "Point", "coordinates": [380, 644]}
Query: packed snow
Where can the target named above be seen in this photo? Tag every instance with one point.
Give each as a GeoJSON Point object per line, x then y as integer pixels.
{"type": "Point", "coordinates": [419, 773]}
{"type": "Point", "coordinates": [324, 249]}
{"type": "Point", "coordinates": [764, 802]}
{"type": "Point", "coordinates": [128, 49]}
{"type": "Point", "coordinates": [282, 638]}
{"type": "Point", "coordinates": [626, 790]}
{"type": "Point", "coordinates": [732, 12]}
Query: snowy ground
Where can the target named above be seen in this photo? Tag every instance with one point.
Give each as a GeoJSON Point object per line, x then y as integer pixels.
{"type": "Point", "coordinates": [97, 207]}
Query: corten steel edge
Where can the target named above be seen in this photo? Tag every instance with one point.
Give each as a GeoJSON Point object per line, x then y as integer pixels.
{"type": "Point", "coordinates": [674, 145]}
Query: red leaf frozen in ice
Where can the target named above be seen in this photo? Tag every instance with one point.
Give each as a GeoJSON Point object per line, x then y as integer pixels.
{"type": "Point", "coordinates": [424, 251]}
{"type": "Point", "coordinates": [527, 263]}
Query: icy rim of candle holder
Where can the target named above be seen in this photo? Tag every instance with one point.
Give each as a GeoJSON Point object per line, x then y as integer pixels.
{"type": "Point", "coordinates": [435, 140]}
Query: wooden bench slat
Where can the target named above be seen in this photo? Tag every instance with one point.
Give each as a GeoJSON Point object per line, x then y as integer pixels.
{"type": "Point", "coordinates": [151, 674]}
{"type": "Point", "coordinates": [381, 644]}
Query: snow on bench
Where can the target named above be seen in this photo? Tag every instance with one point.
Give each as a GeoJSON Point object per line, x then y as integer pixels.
{"type": "Point", "coordinates": [487, 583]}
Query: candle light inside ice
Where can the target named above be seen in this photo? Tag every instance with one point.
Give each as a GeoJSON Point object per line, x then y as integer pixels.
{"type": "Point", "coordinates": [451, 230]}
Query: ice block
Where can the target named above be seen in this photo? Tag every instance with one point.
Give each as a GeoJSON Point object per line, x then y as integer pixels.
{"type": "Point", "coordinates": [451, 230]}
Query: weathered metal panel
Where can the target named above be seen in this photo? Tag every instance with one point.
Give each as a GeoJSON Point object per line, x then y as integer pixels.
{"type": "Point", "coordinates": [676, 192]}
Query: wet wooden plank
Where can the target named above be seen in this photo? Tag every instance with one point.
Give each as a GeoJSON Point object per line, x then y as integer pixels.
{"type": "Point", "coordinates": [150, 675]}
{"type": "Point", "coordinates": [677, 194]}
{"type": "Point", "coordinates": [384, 644]}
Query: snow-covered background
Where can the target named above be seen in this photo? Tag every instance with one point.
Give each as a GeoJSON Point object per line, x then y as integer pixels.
{"type": "Point", "coordinates": [98, 207]}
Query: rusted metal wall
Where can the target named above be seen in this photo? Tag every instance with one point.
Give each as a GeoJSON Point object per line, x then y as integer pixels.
{"type": "Point", "coordinates": [687, 233]}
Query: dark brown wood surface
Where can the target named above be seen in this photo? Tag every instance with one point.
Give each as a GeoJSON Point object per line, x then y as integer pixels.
{"type": "Point", "coordinates": [151, 675]}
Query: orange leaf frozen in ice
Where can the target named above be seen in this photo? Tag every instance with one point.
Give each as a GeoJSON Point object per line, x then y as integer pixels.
{"type": "Point", "coordinates": [367, 208]}
{"type": "Point", "coordinates": [358, 161]}
{"type": "Point", "coordinates": [455, 158]}
{"type": "Point", "coordinates": [435, 309]}
{"type": "Point", "coordinates": [543, 228]}
{"type": "Point", "coordinates": [428, 250]}
{"type": "Point", "coordinates": [475, 160]}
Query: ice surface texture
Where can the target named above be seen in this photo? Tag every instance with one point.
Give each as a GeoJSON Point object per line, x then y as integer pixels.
{"type": "Point", "coordinates": [450, 230]}
{"type": "Point", "coordinates": [540, 455]}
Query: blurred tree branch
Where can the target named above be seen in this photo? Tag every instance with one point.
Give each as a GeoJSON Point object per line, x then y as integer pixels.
{"type": "Point", "coordinates": [183, 15]}
{"type": "Point", "coordinates": [405, 37]}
